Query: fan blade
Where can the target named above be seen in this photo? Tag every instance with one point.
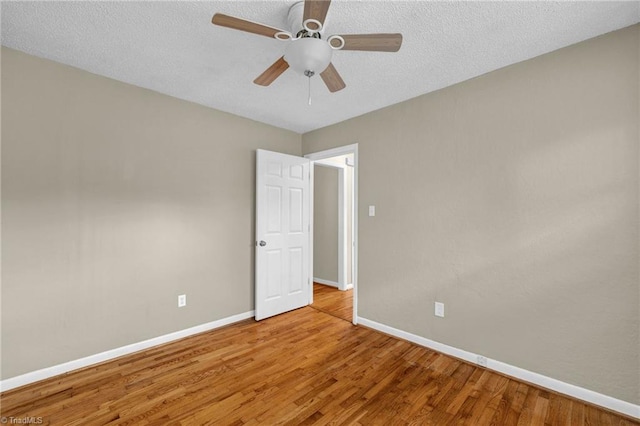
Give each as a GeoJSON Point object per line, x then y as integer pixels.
{"type": "Point", "coordinates": [271, 73]}
{"type": "Point", "coordinates": [332, 79]}
{"type": "Point", "coordinates": [316, 9]}
{"type": "Point", "coordinates": [244, 25]}
{"type": "Point", "coordinates": [371, 42]}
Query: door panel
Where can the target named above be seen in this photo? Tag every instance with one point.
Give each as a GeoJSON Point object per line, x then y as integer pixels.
{"type": "Point", "coordinates": [295, 267]}
{"type": "Point", "coordinates": [282, 226]}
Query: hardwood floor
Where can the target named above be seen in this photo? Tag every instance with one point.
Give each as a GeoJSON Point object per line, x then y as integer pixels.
{"type": "Point", "coordinates": [300, 368]}
{"type": "Point", "coordinates": [333, 301]}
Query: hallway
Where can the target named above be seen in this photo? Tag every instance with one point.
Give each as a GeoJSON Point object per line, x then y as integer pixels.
{"type": "Point", "coordinates": [332, 301]}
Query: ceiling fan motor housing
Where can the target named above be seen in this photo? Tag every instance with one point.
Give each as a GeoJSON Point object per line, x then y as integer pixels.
{"type": "Point", "coordinates": [296, 24]}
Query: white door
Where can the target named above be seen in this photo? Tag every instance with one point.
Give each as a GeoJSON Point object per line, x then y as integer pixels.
{"type": "Point", "coordinates": [282, 233]}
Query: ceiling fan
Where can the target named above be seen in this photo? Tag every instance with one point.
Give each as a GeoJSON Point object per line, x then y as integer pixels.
{"type": "Point", "coordinates": [308, 52]}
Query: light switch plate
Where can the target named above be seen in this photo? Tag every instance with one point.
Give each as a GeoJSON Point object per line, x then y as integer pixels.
{"type": "Point", "coordinates": [439, 309]}
{"type": "Point", "coordinates": [372, 211]}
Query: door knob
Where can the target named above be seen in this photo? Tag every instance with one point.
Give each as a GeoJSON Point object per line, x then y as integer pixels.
{"type": "Point", "coordinates": [262, 243]}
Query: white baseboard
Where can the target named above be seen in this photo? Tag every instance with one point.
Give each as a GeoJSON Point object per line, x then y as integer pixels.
{"type": "Point", "coordinates": [332, 284]}
{"type": "Point", "coordinates": [574, 391]}
{"type": "Point", "coordinates": [56, 370]}
{"type": "Point", "coordinates": [326, 282]}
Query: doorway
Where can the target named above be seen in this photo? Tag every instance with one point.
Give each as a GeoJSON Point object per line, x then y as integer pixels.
{"type": "Point", "coordinates": [334, 231]}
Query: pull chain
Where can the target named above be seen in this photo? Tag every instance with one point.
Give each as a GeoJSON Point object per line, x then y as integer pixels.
{"type": "Point", "coordinates": [309, 74]}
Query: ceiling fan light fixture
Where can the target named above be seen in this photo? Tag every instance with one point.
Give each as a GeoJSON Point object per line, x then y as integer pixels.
{"type": "Point", "coordinates": [308, 54]}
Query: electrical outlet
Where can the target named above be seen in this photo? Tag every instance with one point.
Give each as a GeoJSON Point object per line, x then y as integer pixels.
{"type": "Point", "coordinates": [182, 300]}
{"type": "Point", "coordinates": [439, 309]}
{"type": "Point", "coordinates": [482, 361]}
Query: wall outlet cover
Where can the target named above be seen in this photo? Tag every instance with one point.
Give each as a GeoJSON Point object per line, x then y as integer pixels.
{"type": "Point", "coordinates": [482, 361]}
{"type": "Point", "coordinates": [182, 300]}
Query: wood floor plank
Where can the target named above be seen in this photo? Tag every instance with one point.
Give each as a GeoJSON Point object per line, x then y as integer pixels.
{"type": "Point", "coordinates": [333, 301]}
{"type": "Point", "coordinates": [305, 367]}
{"type": "Point", "coordinates": [559, 410]}
{"type": "Point", "coordinates": [577, 413]}
{"type": "Point", "coordinates": [504, 406]}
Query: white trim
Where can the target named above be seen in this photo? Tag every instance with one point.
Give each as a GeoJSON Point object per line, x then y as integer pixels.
{"type": "Point", "coordinates": [333, 284]}
{"type": "Point", "coordinates": [342, 229]}
{"type": "Point", "coordinates": [312, 172]}
{"type": "Point", "coordinates": [574, 391]}
{"type": "Point", "coordinates": [45, 373]}
{"type": "Point", "coordinates": [334, 152]}
{"type": "Point", "coordinates": [326, 282]}
{"type": "Point", "coordinates": [352, 237]}
{"type": "Point", "coordinates": [329, 164]}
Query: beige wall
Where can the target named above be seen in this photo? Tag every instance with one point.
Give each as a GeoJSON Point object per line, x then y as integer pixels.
{"type": "Point", "coordinates": [325, 223]}
{"type": "Point", "coordinates": [116, 199]}
{"type": "Point", "coordinates": [513, 199]}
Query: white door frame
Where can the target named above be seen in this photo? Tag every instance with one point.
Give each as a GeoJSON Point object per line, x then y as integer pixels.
{"type": "Point", "coordinates": [334, 152]}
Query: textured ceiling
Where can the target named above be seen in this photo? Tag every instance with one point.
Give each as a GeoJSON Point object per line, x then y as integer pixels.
{"type": "Point", "coordinates": [172, 48]}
